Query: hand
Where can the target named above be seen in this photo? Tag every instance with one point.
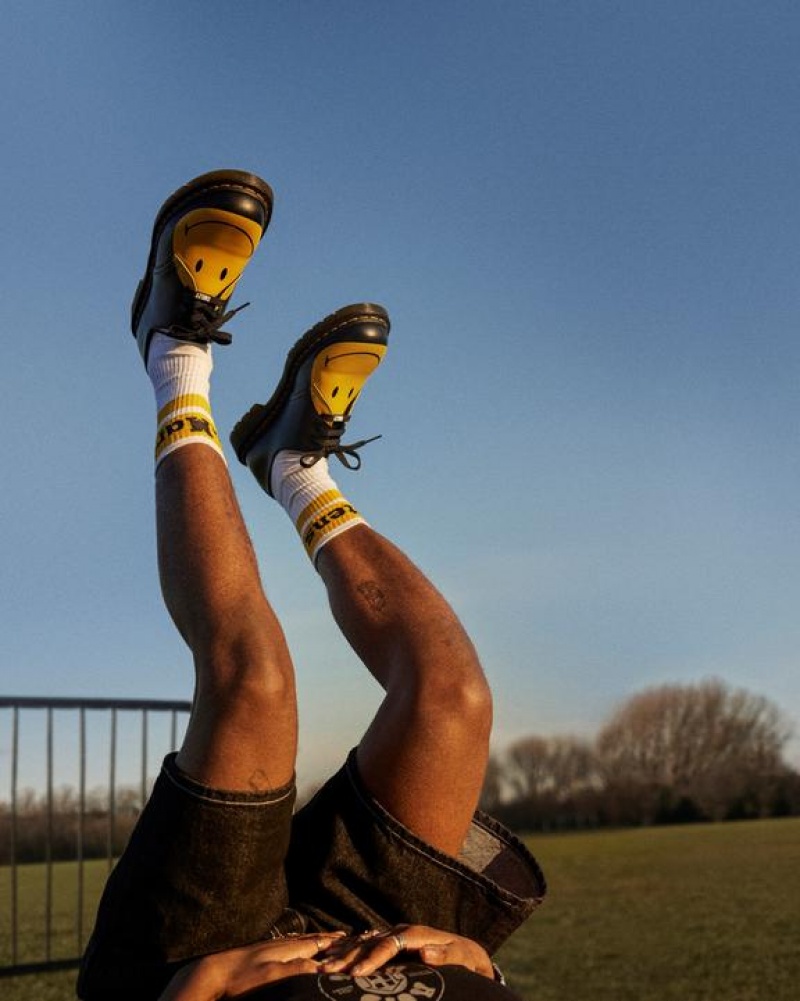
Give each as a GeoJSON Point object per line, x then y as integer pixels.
{"type": "Point", "coordinates": [362, 955]}
{"type": "Point", "coordinates": [234, 972]}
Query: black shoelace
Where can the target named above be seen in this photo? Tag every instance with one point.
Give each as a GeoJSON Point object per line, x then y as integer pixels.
{"type": "Point", "coordinates": [328, 443]}
{"type": "Point", "coordinates": [205, 321]}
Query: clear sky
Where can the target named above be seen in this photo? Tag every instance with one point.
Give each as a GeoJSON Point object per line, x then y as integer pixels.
{"type": "Point", "coordinates": [584, 220]}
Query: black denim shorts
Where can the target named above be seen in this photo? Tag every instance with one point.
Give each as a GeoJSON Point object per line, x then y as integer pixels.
{"type": "Point", "coordinates": [207, 870]}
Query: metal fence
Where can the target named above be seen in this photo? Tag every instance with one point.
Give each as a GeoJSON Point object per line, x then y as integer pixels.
{"type": "Point", "coordinates": [79, 772]}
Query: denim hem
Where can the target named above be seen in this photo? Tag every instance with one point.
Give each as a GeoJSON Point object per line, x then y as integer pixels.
{"type": "Point", "coordinates": [228, 797]}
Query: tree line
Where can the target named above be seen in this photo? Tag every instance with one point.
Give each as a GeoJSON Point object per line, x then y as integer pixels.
{"type": "Point", "coordinates": [670, 754]}
{"type": "Point", "coordinates": [56, 827]}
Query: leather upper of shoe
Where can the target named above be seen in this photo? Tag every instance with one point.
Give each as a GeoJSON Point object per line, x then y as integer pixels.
{"type": "Point", "coordinates": [203, 238]}
{"type": "Point", "coordinates": [323, 377]}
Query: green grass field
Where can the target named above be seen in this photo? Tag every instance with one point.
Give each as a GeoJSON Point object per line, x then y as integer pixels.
{"type": "Point", "coordinates": [690, 913]}
{"type": "Point", "coordinates": [699, 913]}
{"type": "Point", "coordinates": [31, 929]}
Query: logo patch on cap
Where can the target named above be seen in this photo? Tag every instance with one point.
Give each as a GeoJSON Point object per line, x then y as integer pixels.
{"type": "Point", "coordinates": [398, 982]}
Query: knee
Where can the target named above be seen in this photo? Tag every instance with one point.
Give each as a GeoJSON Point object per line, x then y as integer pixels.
{"type": "Point", "coordinates": [246, 675]}
{"type": "Point", "coordinates": [461, 702]}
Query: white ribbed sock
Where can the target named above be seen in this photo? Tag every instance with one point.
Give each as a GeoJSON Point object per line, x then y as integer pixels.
{"type": "Point", "coordinates": [311, 498]}
{"type": "Point", "coordinates": [181, 377]}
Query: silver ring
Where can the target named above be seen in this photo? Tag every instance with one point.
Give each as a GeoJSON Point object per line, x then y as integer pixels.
{"type": "Point", "coordinates": [399, 941]}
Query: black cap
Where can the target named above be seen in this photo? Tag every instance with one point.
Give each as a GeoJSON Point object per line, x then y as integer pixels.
{"type": "Point", "coordinates": [390, 983]}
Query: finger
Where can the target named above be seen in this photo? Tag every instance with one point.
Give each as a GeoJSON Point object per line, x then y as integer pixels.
{"type": "Point", "coordinates": [417, 936]}
{"type": "Point", "coordinates": [342, 946]}
{"type": "Point", "coordinates": [339, 958]}
{"type": "Point", "coordinates": [293, 968]}
{"type": "Point", "coordinates": [377, 952]}
{"type": "Point", "coordinates": [458, 953]}
{"type": "Point", "coordinates": [267, 973]}
{"type": "Point", "coordinates": [360, 957]}
{"type": "Point", "coordinates": [295, 947]}
{"type": "Point", "coordinates": [325, 941]}
{"type": "Point", "coordinates": [358, 951]}
{"type": "Point", "coordinates": [456, 948]}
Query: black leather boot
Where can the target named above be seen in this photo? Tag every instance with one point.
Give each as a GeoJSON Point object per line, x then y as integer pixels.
{"type": "Point", "coordinates": [322, 378]}
{"type": "Point", "coordinates": [204, 236]}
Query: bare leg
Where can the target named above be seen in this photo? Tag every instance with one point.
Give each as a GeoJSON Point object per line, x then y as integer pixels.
{"type": "Point", "coordinates": [424, 755]}
{"type": "Point", "coordinates": [243, 730]}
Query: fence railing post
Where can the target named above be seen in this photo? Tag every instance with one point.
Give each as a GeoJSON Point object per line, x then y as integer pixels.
{"type": "Point", "coordinates": [68, 820]}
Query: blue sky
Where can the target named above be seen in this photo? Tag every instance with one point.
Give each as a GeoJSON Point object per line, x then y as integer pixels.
{"type": "Point", "coordinates": [584, 220]}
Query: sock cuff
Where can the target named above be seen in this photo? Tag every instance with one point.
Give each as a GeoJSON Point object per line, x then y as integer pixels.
{"type": "Point", "coordinates": [178, 369]}
{"type": "Point", "coordinates": [324, 518]}
{"type": "Point", "coordinates": [185, 425]}
{"type": "Point", "coordinates": [183, 403]}
{"type": "Point", "coordinates": [317, 505]}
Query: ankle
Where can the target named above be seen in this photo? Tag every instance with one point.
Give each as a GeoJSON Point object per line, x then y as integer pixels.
{"type": "Point", "coordinates": [313, 501]}
{"type": "Point", "coordinates": [181, 376]}
{"type": "Point", "coordinates": [178, 369]}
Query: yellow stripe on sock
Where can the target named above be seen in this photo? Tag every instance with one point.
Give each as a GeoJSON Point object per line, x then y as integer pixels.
{"type": "Point", "coordinates": [191, 401]}
{"type": "Point", "coordinates": [186, 428]}
{"type": "Point", "coordinates": [310, 510]}
{"type": "Point", "coordinates": [329, 519]}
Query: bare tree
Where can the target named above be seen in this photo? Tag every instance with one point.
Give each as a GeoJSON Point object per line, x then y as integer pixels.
{"type": "Point", "coordinates": [545, 782]}
{"type": "Point", "coordinates": [557, 766]}
{"type": "Point", "coordinates": [707, 744]}
{"type": "Point", "coordinates": [493, 784]}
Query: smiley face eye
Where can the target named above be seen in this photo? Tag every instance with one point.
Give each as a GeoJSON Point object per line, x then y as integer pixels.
{"type": "Point", "coordinates": [224, 273]}
{"type": "Point", "coordinates": [199, 265]}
